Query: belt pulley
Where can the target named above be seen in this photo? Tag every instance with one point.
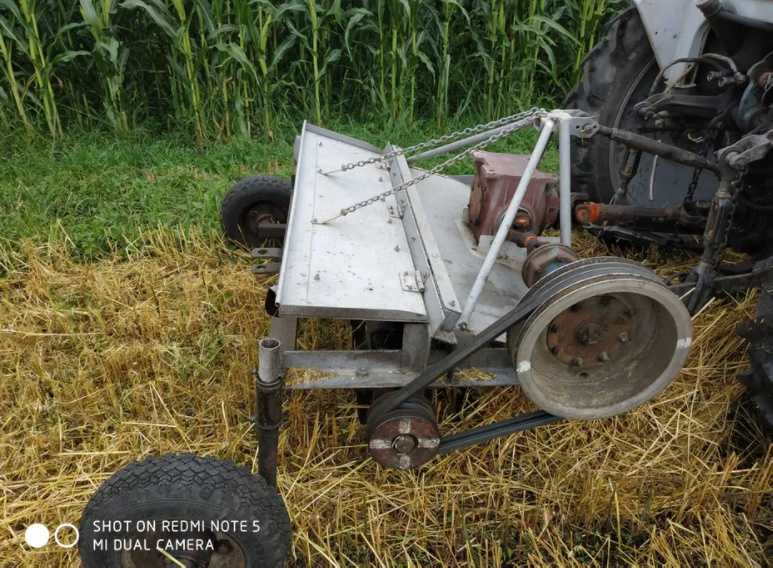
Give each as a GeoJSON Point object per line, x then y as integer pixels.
{"type": "Point", "coordinates": [606, 289]}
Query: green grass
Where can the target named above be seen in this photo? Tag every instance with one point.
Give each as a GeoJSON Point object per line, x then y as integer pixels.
{"type": "Point", "coordinates": [103, 190]}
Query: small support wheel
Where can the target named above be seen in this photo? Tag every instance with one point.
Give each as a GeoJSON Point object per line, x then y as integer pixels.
{"type": "Point", "coordinates": [184, 510]}
{"type": "Point", "coordinates": [252, 209]}
{"type": "Point", "coordinates": [406, 438]}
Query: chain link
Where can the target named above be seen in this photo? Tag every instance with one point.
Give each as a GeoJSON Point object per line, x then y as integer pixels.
{"type": "Point", "coordinates": [526, 119]}
{"type": "Point", "coordinates": [696, 174]}
{"type": "Point", "coordinates": [728, 227]}
{"type": "Point", "coordinates": [464, 132]}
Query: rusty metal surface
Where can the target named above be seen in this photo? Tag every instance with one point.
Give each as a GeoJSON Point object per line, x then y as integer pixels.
{"type": "Point", "coordinates": [496, 178]}
{"type": "Point", "coordinates": [593, 332]}
{"type": "Point", "coordinates": [590, 213]}
{"type": "Point", "coordinates": [405, 438]}
{"type": "Point", "coordinates": [545, 259]}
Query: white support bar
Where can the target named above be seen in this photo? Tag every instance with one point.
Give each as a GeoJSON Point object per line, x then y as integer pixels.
{"type": "Point", "coordinates": [565, 173]}
{"type": "Point", "coordinates": [504, 227]}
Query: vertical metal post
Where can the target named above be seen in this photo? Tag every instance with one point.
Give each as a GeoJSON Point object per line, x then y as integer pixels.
{"type": "Point", "coordinates": [507, 221]}
{"type": "Point", "coordinates": [565, 172]}
{"type": "Point", "coordinates": [269, 396]}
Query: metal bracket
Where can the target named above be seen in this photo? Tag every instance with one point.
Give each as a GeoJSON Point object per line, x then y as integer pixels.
{"type": "Point", "coordinates": [578, 123]}
{"type": "Point", "coordinates": [748, 149]}
{"type": "Point", "coordinates": [267, 268]}
{"type": "Point", "coordinates": [412, 281]}
{"type": "Point", "coordinates": [583, 126]}
{"type": "Point", "coordinates": [266, 253]}
{"type": "Point", "coordinates": [394, 211]}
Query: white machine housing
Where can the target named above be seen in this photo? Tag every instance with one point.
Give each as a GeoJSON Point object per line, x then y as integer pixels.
{"type": "Point", "coordinates": [677, 28]}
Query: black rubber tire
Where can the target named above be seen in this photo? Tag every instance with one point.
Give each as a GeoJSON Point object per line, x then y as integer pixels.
{"type": "Point", "coordinates": [611, 68]}
{"type": "Point", "coordinates": [268, 194]}
{"type": "Point", "coordinates": [759, 379]}
{"type": "Point", "coordinates": [759, 389]}
{"type": "Point", "coordinates": [185, 486]}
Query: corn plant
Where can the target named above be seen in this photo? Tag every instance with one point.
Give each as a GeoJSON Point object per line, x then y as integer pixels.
{"type": "Point", "coordinates": [110, 57]}
{"type": "Point", "coordinates": [256, 30]}
{"type": "Point", "coordinates": [314, 33]}
{"type": "Point", "coordinates": [588, 15]}
{"type": "Point", "coordinates": [6, 51]}
{"type": "Point", "coordinates": [450, 10]}
{"type": "Point", "coordinates": [42, 52]}
{"type": "Point", "coordinates": [175, 24]}
{"type": "Point", "coordinates": [236, 67]}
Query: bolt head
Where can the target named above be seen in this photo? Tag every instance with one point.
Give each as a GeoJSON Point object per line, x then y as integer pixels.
{"type": "Point", "coordinates": [603, 356]}
{"type": "Point", "coordinates": [404, 443]}
{"type": "Point", "coordinates": [623, 337]}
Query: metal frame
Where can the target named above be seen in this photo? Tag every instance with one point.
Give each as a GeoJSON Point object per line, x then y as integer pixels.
{"type": "Point", "coordinates": [568, 125]}
{"type": "Point", "coordinates": [370, 369]}
{"type": "Point", "coordinates": [439, 296]}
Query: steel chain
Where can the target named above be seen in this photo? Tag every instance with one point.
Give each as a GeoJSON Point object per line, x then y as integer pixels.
{"type": "Point", "coordinates": [728, 227]}
{"type": "Point", "coordinates": [696, 174]}
{"type": "Point", "coordinates": [507, 130]}
{"type": "Point", "coordinates": [441, 139]}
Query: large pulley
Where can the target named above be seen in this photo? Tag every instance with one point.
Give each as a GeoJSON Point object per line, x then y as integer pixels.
{"type": "Point", "coordinates": [606, 337]}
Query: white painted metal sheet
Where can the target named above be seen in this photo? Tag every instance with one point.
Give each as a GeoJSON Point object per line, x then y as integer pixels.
{"type": "Point", "coordinates": [444, 200]}
{"type": "Point", "coordinates": [349, 268]}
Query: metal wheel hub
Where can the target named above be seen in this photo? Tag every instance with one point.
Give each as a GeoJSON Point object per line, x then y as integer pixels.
{"type": "Point", "coordinates": [406, 437]}
{"type": "Point", "coordinates": [261, 214]}
{"type": "Point", "coordinates": [606, 337]}
{"type": "Point", "coordinates": [592, 332]}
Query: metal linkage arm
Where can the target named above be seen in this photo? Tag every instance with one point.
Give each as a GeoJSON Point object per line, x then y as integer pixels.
{"type": "Point", "coordinates": [666, 151]}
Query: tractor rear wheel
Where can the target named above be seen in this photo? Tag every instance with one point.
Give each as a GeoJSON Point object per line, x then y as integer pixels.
{"type": "Point", "coordinates": [618, 73]}
{"type": "Point", "coordinates": [759, 378]}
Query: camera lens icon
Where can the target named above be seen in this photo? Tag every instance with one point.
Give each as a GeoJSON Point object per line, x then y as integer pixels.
{"type": "Point", "coordinates": [63, 539]}
{"type": "Point", "coordinates": [37, 535]}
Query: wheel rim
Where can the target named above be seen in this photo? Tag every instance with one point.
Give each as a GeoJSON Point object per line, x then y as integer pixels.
{"type": "Point", "coordinates": [261, 213]}
{"type": "Point", "coordinates": [670, 180]}
{"type": "Point", "coordinates": [625, 363]}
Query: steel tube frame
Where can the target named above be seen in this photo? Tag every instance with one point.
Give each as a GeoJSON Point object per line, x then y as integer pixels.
{"type": "Point", "coordinates": [512, 209]}
{"type": "Point", "coordinates": [268, 417]}
{"type": "Point", "coordinates": [565, 172]}
{"type": "Point", "coordinates": [451, 146]}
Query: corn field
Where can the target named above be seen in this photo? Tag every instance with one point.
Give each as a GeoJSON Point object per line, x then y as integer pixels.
{"type": "Point", "coordinates": [222, 68]}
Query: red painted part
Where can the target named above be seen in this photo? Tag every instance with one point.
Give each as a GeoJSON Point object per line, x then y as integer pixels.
{"type": "Point", "coordinates": [588, 213]}
{"type": "Point", "coordinates": [496, 179]}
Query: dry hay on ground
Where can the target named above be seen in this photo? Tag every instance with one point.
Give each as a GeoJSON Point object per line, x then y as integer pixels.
{"type": "Point", "coordinates": [105, 363]}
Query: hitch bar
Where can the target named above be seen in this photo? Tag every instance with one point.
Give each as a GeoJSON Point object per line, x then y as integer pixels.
{"type": "Point", "coordinates": [666, 151]}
